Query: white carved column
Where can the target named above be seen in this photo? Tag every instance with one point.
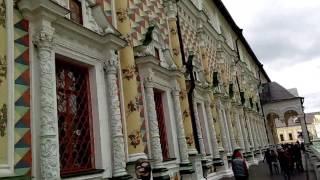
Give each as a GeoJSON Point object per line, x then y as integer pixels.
{"type": "Point", "coordinates": [156, 152]}
{"type": "Point", "coordinates": [222, 128]}
{"type": "Point", "coordinates": [245, 131]}
{"type": "Point", "coordinates": [240, 129]}
{"type": "Point", "coordinates": [230, 128]}
{"type": "Point", "coordinates": [254, 135]}
{"type": "Point", "coordinates": [213, 136]}
{"type": "Point", "coordinates": [249, 128]}
{"type": "Point", "coordinates": [199, 133]}
{"type": "Point", "coordinates": [49, 142]}
{"type": "Point", "coordinates": [119, 161]}
{"type": "Point", "coordinates": [183, 147]}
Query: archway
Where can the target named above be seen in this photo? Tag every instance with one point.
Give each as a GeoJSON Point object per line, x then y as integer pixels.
{"type": "Point", "coordinates": [291, 117]}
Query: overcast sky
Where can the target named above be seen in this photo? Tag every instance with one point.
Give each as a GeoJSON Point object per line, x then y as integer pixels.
{"type": "Point", "coordinates": [285, 36]}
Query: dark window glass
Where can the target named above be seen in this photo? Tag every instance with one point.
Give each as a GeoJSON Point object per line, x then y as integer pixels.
{"type": "Point", "coordinates": [75, 11]}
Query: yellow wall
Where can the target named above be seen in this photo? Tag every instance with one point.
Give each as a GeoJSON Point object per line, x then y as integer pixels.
{"type": "Point", "coordinates": [3, 87]}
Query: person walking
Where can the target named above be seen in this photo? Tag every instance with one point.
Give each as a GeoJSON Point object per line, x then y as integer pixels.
{"type": "Point", "coordinates": [239, 166]}
{"type": "Point", "coordinates": [267, 157]}
{"type": "Point", "coordinates": [274, 162]}
{"type": "Point", "coordinates": [284, 160]}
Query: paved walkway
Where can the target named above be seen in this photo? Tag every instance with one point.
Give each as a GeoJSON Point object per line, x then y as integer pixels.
{"type": "Point", "coordinates": [261, 172]}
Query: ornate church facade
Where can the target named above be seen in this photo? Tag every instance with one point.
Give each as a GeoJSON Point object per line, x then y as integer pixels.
{"type": "Point", "coordinates": [89, 88]}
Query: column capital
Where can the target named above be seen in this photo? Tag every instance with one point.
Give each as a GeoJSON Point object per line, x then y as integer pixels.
{"type": "Point", "coordinates": [111, 64]}
{"type": "Point", "coordinates": [149, 82]}
{"type": "Point", "coordinates": [171, 9]}
{"type": "Point", "coordinates": [44, 37]}
{"type": "Point", "coordinates": [175, 91]}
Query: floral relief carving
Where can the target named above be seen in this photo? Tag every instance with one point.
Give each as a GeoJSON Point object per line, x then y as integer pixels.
{"type": "Point", "coordinates": [129, 72]}
{"type": "Point", "coordinates": [48, 159]}
{"type": "Point", "coordinates": [189, 139]}
{"type": "Point", "coordinates": [173, 31]}
{"type": "Point", "coordinates": [3, 68]}
{"type": "Point", "coordinates": [135, 138]}
{"type": "Point", "coordinates": [185, 114]}
{"type": "Point", "coordinates": [182, 94]}
{"type": "Point", "coordinates": [3, 120]}
{"type": "Point", "coordinates": [128, 39]}
{"type": "Point", "coordinates": [133, 105]}
{"type": "Point", "coordinates": [175, 51]}
{"type": "Point", "coordinates": [122, 14]}
{"type": "Point", "coordinates": [2, 14]}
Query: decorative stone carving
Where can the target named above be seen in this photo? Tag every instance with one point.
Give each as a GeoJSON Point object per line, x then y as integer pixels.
{"type": "Point", "coordinates": [183, 148]}
{"type": "Point", "coordinates": [199, 133]}
{"type": "Point", "coordinates": [156, 151]}
{"type": "Point", "coordinates": [3, 14]}
{"type": "Point", "coordinates": [171, 9]}
{"type": "Point", "coordinates": [122, 14]}
{"type": "Point", "coordinates": [49, 145]}
{"type": "Point", "coordinates": [213, 136]}
{"type": "Point", "coordinates": [91, 22]}
{"type": "Point", "coordinates": [119, 165]}
{"type": "Point", "coordinates": [62, 3]}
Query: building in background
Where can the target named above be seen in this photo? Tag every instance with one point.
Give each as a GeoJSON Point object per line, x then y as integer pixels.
{"type": "Point", "coordinates": [91, 87]}
{"type": "Point", "coordinates": [284, 112]}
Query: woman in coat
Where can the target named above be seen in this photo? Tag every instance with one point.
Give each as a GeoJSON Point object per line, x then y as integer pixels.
{"type": "Point", "coordinates": [239, 166]}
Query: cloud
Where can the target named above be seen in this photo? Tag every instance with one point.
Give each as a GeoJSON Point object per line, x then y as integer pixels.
{"type": "Point", "coordinates": [284, 35]}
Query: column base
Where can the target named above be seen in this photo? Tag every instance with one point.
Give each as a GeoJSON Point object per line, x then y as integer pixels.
{"type": "Point", "coordinates": [160, 174]}
{"type": "Point", "coordinates": [124, 177]}
{"type": "Point", "coordinates": [218, 162]}
{"type": "Point", "coordinates": [186, 168]}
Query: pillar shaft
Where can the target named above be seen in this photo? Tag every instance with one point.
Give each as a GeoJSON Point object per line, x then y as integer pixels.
{"type": "Point", "coordinates": [119, 165]}
{"type": "Point", "coordinates": [156, 152]}
{"type": "Point", "coordinates": [49, 143]}
{"type": "Point", "coordinates": [230, 128]}
{"type": "Point", "coordinates": [183, 147]}
{"type": "Point", "coordinates": [177, 58]}
{"type": "Point", "coordinates": [223, 130]}
{"type": "Point", "coordinates": [129, 82]}
{"type": "Point", "coordinates": [199, 132]}
{"type": "Point", "coordinates": [239, 128]}
{"type": "Point", "coordinates": [213, 136]}
{"type": "Point", "coordinates": [245, 131]}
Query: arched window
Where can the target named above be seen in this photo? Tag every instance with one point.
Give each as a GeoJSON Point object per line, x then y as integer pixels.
{"type": "Point", "coordinates": [75, 11]}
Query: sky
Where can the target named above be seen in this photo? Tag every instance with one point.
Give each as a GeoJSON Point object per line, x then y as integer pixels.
{"type": "Point", "coordinates": [285, 36]}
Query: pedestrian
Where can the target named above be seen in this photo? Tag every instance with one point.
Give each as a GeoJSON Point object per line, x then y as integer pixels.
{"type": "Point", "coordinates": [274, 162]}
{"type": "Point", "coordinates": [267, 157]}
{"type": "Point", "coordinates": [298, 157]}
{"type": "Point", "coordinates": [239, 166]}
{"type": "Point", "coordinates": [284, 160]}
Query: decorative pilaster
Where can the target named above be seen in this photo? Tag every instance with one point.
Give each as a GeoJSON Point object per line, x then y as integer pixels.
{"type": "Point", "coordinates": [223, 129]}
{"type": "Point", "coordinates": [249, 128]}
{"type": "Point", "coordinates": [171, 11]}
{"type": "Point", "coordinates": [118, 151]}
{"type": "Point", "coordinates": [49, 143]}
{"type": "Point", "coordinates": [183, 148]}
{"type": "Point", "coordinates": [245, 131]}
{"type": "Point", "coordinates": [135, 144]}
{"type": "Point", "coordinates": [156, 152]}
{"type": "Point", "coordinates": [230, 128]}
{"type": "Point", "coordinates": [200, 137]}
{"type": "Point", "coordinates": [213, 136]}
{"type": "Point", "coordinates": [239, 128]}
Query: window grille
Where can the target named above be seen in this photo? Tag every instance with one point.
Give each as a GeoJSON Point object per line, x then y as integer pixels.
{"type": "Point", "coordinates": [75, 118]}
{"type": "Point", "coordinates": [162, 124]}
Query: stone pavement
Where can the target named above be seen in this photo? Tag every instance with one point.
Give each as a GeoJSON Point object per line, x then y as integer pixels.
{"type": "Point", "coordinates": [261, 172]}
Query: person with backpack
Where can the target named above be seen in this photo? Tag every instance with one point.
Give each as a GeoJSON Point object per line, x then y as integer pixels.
{"type": "Point", "coordinates": [239, 166]}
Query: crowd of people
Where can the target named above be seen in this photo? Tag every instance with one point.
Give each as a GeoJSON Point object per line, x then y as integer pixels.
{"type": "Point", "coordinates": [285, 159]}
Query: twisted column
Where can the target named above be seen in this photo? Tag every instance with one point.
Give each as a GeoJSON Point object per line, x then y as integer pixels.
{"type": "Point", "coordinates": [49, 142]}
{"type": "Point", "coordinates": [119, 161]}
{"type": "Point", "coordinates": [183, 148]}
